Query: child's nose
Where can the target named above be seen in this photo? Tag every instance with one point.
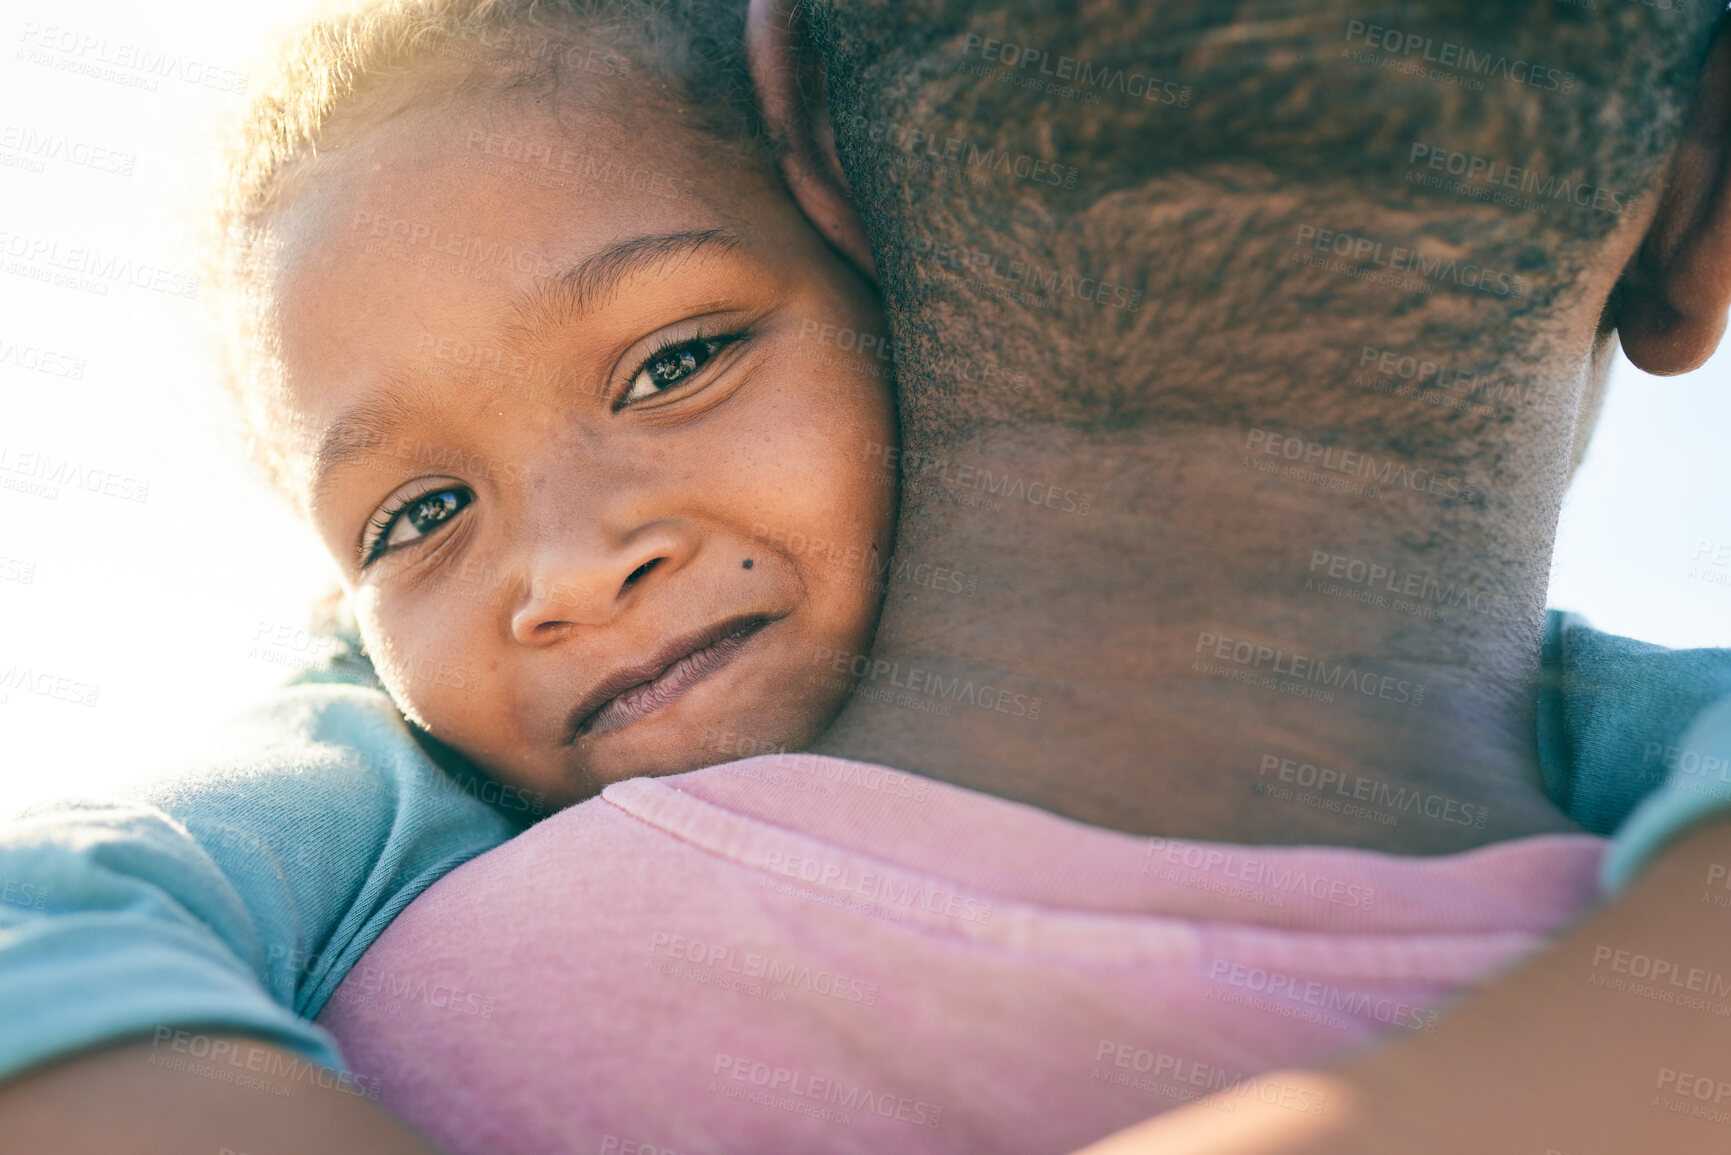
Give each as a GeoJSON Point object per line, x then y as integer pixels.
{"type": "Point", "coordinates": [588, 584]}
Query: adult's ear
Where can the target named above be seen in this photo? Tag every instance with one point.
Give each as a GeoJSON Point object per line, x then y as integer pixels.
{"type": "Point", "coordinates": [1674, 296]}
{"type": "Point", "coordinates": [788, 75]}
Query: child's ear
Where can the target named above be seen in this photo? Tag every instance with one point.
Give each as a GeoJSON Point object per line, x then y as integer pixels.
{"type": "Point", "coordinates": [789, 77]}
{"type": "Point", "coordinates": [1673, 297]}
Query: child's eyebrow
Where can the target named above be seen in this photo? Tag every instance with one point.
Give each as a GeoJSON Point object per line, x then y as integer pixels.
{"type": "Point", "coordinates": [365, 427]}
{"type": "Point", "coordinates": [580, 288]}
{"type": "Point", "coordinates": [588, 284]}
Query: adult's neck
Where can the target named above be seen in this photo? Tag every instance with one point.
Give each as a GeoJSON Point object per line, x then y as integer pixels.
{"type": "Point", "coordinates": [1175, 633]}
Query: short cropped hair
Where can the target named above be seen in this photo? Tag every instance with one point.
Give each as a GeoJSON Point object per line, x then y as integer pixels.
{"type": "Point", "coordinates": [1484, 150]}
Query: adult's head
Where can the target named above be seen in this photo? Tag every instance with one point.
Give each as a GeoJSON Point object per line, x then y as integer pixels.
{"type": "Point", "coordinates": [1317, 305]}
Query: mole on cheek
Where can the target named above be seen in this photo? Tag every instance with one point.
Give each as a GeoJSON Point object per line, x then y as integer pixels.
{"type": "Point", "coordinates": [746, 563]}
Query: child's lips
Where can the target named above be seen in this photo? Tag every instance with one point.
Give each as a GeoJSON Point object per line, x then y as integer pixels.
{"type": "Point", "coordinates": [638, 690]}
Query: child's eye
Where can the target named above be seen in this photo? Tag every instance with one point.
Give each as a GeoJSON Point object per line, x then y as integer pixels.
{"type": "Point", "coordinates": [415, 517]}
{"type": "Point", "coordinates": [673, 365]}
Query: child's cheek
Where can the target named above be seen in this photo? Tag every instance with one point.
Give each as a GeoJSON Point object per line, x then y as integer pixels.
{"type": "Point", "coordinates": [426, 683]}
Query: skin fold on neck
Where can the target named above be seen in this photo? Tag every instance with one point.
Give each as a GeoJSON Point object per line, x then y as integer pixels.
{"type": "Point", "coordinates": [1139, 600]}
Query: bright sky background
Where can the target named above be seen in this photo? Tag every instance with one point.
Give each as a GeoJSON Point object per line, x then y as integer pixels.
{"type": "Point", "coordinates": [169, 606]}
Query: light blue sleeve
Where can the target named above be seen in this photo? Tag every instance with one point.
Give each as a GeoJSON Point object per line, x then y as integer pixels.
{"type": "Point", "coordinates": [1698, 789]}
{"type": "Point", "coordinates": [1634, 739]}
{"type": "Point", "coordinates": [235, 895]}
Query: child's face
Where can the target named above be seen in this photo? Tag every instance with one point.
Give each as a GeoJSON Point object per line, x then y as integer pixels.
{"type": "Point", "coordinates": [605, 498]}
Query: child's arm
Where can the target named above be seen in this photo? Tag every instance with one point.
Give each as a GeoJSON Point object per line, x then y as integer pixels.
{"type": "Point", "coordinates": [232, 899]}
{"type": "Point", "coordinates": [118, 1100]}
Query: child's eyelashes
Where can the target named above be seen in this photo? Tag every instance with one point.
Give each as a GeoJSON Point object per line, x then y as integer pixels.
{"type": "Point", "coordinates": [410, 517]}
{"type": "Point", "coordinates": [418, 513]}
{"type": "Point", "coordinates": [672, 365]}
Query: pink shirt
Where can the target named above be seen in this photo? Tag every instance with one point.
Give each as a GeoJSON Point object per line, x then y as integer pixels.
{"type": "Point", "coordinates": [796, 953]}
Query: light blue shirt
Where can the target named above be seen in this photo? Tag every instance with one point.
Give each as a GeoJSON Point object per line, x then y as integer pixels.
{"type": "Point", "coordinates": [233, 895]}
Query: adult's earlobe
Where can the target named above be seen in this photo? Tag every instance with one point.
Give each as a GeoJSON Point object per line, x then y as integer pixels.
{"type": "Point", "coordinates": [1672, 302]}
{"type": "Point", "coordinates": [1660, 339]}
{"type": "Point", "coordinates": [789, 78]}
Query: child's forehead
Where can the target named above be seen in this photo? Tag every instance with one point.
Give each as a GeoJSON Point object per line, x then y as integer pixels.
{"type": "Point", "coordinates": [510, 151]}
{"type": "Point", "coordinates": [441, 222]}
{"type": "Point", "coordinates": [473, 199]}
